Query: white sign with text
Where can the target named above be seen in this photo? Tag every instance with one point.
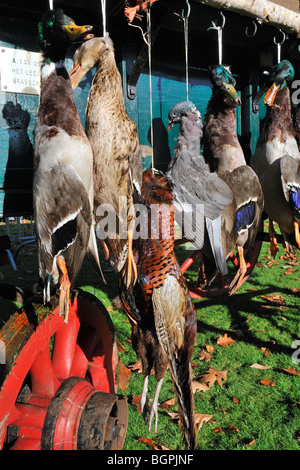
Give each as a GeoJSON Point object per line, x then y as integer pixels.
{"type": "Point", "coordinates": [20, 71]}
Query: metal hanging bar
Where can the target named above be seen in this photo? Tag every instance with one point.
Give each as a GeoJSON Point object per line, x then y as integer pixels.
{"type": "Point", "coordinates": [279, 44]}
{"type": "Point", "coordinates": [220, 35]}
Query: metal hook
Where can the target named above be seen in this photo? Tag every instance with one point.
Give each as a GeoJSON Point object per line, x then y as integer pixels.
{"type": "Point", "coordinates": [255, 30]}
{"type": "Point", "coordinates": [283, 36]}
{"type": "Point", "coordinates": [214, 24]}
{"type": "Point", "coordinates": [182, 17]}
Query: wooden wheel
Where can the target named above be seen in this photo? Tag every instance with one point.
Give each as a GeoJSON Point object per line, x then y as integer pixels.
{"type": "Point", "coordinates": [58, 384]}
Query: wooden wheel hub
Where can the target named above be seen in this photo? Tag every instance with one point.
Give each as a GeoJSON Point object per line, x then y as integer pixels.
{"type": "Point", "coordinates": [81, 418]}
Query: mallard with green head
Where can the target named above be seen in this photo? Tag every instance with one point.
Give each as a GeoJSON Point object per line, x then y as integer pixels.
{"type": "Point", "coordinates": [276, 160]}
{"type": "Point", "coordinates": [63, 167]}
{"type": "Point", "coordinates": [223, 152]}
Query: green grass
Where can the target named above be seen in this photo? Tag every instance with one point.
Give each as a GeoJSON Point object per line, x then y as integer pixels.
{"type": "Point", "coordinates": [270, 415]}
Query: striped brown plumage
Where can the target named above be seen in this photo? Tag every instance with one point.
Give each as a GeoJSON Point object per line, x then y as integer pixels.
{"type": "Point", "coordinates": [159, 306]}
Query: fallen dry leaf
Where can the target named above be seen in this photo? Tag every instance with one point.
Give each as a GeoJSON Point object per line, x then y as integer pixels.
{"type": "Point", "coordinates": [200, 419]}
{"type": "Point", "coordinates": [213, 375]}
{"type": "Point", "coordinates": [267, 382]}
{"type": "Point", "coordinates": [218, 430]}
{"type": "Point", "coordinates": [151, 443]}
{"type": "Point", "coordinates": [209, 348]}
{"type": "Point", "coordinates": [235, 400]}
{"type": "Point", "coordinates": [124, 375]}
{"type": "Point", "coordinates": [232, 429]}
{"type": "Point", "coordinates": [292, 371]}
{"type": "Point", "coordinates": [120, 347]}
{"type": "Point", "coordinates": [274, 299]}
{"type": "Point", "coordinates": [204, 356]}
{"type": "Point", "coordinates": [251, 443]}
{"type": "Point", "coordinates": [199, 387]}
{"type": "Point", "coordinates": [225, 340]}
{"type": "Point", "coordinates": [166, 404]}
{"type": "Point", "coordinates": [259, 366]}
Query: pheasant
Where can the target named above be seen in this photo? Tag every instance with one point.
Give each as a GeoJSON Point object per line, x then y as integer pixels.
{"type": "Point", "coordinates": [159, 306]}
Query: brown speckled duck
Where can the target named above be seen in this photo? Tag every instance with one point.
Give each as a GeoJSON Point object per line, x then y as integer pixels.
{"type": "Point", "coordinates": [63, 164]}
{"type": "Point", "coordinates": [277, 158]}
{"type": "Point", "coordinates": [224, 154]}
{"type": "Point", "coordinates": [115, 145]}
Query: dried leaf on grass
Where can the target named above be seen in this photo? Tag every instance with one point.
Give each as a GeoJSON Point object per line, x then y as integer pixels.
{"type": "Point", "coordinates": [200, 419]}
{"type": "Point", "coordinates": [251, 443]}
{"type": "Point", "coordinates": [199, 387]}
{"type": "Point", "coordinates": [124, 375]}
{"type": "Point", "coordinates": [225, 340]}
{"type": "Point", "coordinates": [259, 366]}
{"type": "Point", "coordinates": [151, 443]}
{"type": "Point", "coordinates": [204, 356]}
{"type": "Point", "coordinates": [292, 371]}
{"type": "Point", "coordinates": [214, 375]}
{"type": "Point", "coordinates": [168, 403]}
{"type": "Point", "coordinates": [274, 299]}
{"type": "Point", "coordinates": [231, 429]}
{"type": "Point", "coordinates": [267, 382]}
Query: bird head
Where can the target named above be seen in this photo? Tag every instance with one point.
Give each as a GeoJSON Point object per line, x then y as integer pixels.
{"type": "Point", "coordinates": [87, 56]}
{"type": "Point", "coordinates": [281, 75]}
{"type": "Point", "coordinates": [179, 110]}
{"type": "Point", "coordinates": [222, 80]}
{"type": "Point", "coordinates": [56, 33]}
{"type": "Point", "coordinates": [277, 79]}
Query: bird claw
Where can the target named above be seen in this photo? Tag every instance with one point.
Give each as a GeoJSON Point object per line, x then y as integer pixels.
{"type": "Point", "coordinates": [273, 246]}
{"type": "Point", "coordinates": [153, 413]}
{"type": "Point", "coordinates": [237, 281]}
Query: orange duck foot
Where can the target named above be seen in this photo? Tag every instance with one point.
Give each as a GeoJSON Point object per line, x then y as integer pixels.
{"type": "Point", "coordinates": [130, 266]}
{"type": "Point", "coordinates": [297, 234]}
{"type": "Point", "coordinates": [273, 240]}
{"type": "Point", "coordinates": [238, 278]}
{"type": "Point", "coordinates": [64, 292]}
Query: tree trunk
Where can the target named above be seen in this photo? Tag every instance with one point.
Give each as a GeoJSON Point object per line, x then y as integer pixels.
{"type": "Point", "coordinates": [264, 11]}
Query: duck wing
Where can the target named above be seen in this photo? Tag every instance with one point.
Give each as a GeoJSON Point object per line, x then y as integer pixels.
{"type": "Point", "coordinates": [199, 197]}
{"type": "Point", "coordinates": [63, 219]}
{"type": "Point", "coordinates": [290, 179]}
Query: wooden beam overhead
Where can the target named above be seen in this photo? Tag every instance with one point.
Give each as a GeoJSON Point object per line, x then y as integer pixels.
{"type": "Point", "coordinates": [264, 11]}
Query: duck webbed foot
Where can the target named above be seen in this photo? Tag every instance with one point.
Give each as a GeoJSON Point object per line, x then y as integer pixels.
{"type": "Point", "coordinates": [64, 292]}
{"type": "Point", "coordinates": [130, 269]}
{"type": "Point", "coordinates": [297, 234]}
{"type": "Point", "coordinates": [273, 240]}
{"type": "Point", "coordinates": [240, 274]}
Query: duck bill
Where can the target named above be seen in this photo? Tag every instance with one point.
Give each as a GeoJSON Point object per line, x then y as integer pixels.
{"type": "Point", "coordinates": [271, 94]}
{"type": "Point", "coordinates": [232, 94]}
{"type": "Point", "coordinates": [170, 125]}
{"type": "Point", "coordinates": [76, 75]}
{"type": "Point", "coordinates": [78, 32]}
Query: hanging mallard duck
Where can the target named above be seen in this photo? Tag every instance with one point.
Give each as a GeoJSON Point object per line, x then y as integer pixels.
{"type": "Point", "coordinates": [276, 160]}
{"type": "Point", "coordinates": [224, 154]}
{"type": "Point", "coordinates": [63, 167]}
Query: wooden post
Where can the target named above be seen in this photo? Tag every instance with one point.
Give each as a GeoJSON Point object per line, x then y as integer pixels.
{"type": "Point", "coordinates": [264, 11]}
